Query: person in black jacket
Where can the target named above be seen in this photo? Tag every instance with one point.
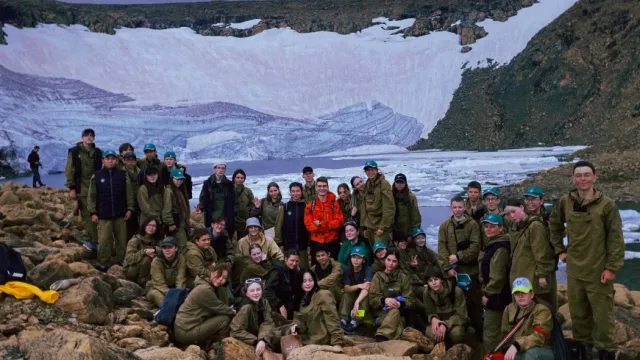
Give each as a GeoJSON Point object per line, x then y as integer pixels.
{"type": "Point", "coordinates": [288, 280]}
{"type": "Point", "coordinates": [217, 197]}
{"type": "Point", "coordinates": [35, 165]}
{"type": "Point", "coordinates": [290, 232]}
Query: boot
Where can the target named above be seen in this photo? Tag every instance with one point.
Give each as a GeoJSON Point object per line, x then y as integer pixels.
{"type": "Point", "coordinates": [577, 351]}
{"type": "Point", "coordinates": [606, 355]}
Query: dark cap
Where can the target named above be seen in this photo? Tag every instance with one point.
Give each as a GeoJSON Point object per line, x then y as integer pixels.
{"type": "Point", "coordinates": [88, 131]}
{"type": "Point", "coordinates": [130, 155]}
{"type": "Point", "coordinates": [307, 169]}
{"type": "Point", "coordinates": [169, 241]}
{"type": "Point", "coordinates": [400, 177]}
{"type": "Point", "coordinates": [514, 202]}
{"type": "Point", "coordinates": [151, 170]}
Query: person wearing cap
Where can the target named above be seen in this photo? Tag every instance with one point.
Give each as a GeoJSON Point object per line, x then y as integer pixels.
{"type": "Point", "coordinates": [380, 252]}
{"type": "Point", "coordinates": [83, 160]}
{"type": "Point", "coordinates": [150, 158]}
{"type": "Point", "coordinates": [218, 197]}
{"type": "Point", "coordinates": [123, 149]}
{"type": "Point", "coordinates": [255, 235]}
{"type": "Point", "coordinates": [175, 209]}
{"type": "Point", "coordinates": [110, 202]}
{"type": "Point", "coordinates": [491, 200]}
{"type": "Point", "coordinates": [168, 270]}
{"type": "Point", "coordinates": [323, 219]}
{"type": "Point", "coordinates": [200, 256]}
{"type": "Point", "coordinates": [129, 164]}
{"type": "Point", "coordinates": [244, 203]}
{"type": "Point", "coordinates": [351, 241]}
{"type": "Point", "coordinates": [407, 215]}
{"type": "Point", "coordinates": [534, 203]}
{"type": "Point", "coordinates": [594, 253]}
{"type": "Point", "coordinates": [266, 209]}
{"type": "Point", "coordinates": [354, 304]}
{"type": "Point", "coordinates": [532, 340]}
{"type": "Point", "coordinates": [444, 308]}
{"type": "Point", "coordinates": [494, 277]}
{"type": "Point", "coordinates": [290, 232]}
{"type": "Point", "coordinates": [35, 165]}
{"type": "Point", "coordinates": [532, 254]}
{"type": "Point", "coordinates": [328, 271]}
{"type": "Point", "coordinates": [151, 194]}
{"type": "Point", "coordinates": [170, 164]}
{"type": "Point", "coordinates": [474, 206]}
{"type": "Point", "coordinates": [459, 243]}
{"type": "Point", "coordinates": [309, 189]}
{"type": "Point", "coordinates": [141, 250]}
{"type": "Point", "coordinates": [378, 207]}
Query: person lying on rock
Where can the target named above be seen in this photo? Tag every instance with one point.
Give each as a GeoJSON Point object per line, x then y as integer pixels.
{"type": "Point", "coordinates": [200, 256]}
{"type": "Point", "coordinates": [205, 315]}
{"type": "Point", "coordinates": [316, 318]}
{"type": "Point", "coordinates": [357, 281]}
{"type": "Point", "coordinates": [168, 270]}
{"type": "Point", "coordinates": [445, 309]}
{"type": "Point", "coordinates": [141, 250]}
{"type": "Point", "coordinates": [328, 271]}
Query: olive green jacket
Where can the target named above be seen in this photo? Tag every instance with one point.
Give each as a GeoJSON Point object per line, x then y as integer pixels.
{"type": "Point", "coordinates": [461, 239]}
{"type": "Point", "coordinates": [135, 249]}
{"type": "Point", "coordinates": [244, 205]}
{"type": "Point", "coordinates": [408, 213]}
{"type": "Point", "coordinates": [535, 331]}
{"type": "Point", "coordinates": [334, 279]}
{"type": "Point", "coordinates": [167, 274]}
{"type": "Point", "coordinates": [150, 206]}
{"type": "Point", "coordinates": [246, 328]}
{"type": "Point", "coordinates": [203, 302]}
{"type": "Point", "coordinates": [442, 307]}
{"type": "Point", "coordinates": [267, 212]}
{"type": "Point", "coordinates": [377, 265]}
{"type": "Point", "coordinates": [595, 240]}
{"type": "Point", "coordinates": [378, 207]}
{"type": "Point", "coordinates": [319, 320]}
{"type": "Point", "coordinates": [86, 159]}
{"type": "Point", "coordinates": [386, 285]}
{"type": "Point", "coordinates": [309, 192]}
{"type": "Point", "coordinates": [531, 253]}
{"type": "Point", "coordinates": [498, 277]}
{"type": "Point", "coordinates": [425, 257]}
{"type": "Point", "coordinates": [175, 203]}
{"type": "Point", "coordinates": [199, 262]}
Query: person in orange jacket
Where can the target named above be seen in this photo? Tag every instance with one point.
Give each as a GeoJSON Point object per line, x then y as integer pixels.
{"type": "Point", "coordinates": [323, 219]}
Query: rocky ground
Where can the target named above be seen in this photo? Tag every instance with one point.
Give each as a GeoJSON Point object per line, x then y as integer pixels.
{"type": "Point", "coordinates": [105, 316]}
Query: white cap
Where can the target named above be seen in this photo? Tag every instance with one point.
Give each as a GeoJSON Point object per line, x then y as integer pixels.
{"type": "Point", "coordinates": [219, 162]}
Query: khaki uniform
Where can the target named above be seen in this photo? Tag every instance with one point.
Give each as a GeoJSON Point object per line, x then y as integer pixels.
{"type": "Point", "coordinates": [247, 327]}
{"type": "Point", "coordinates": [267, 212]}
{"type": "Point", "coordinates": [177, 205]}
{"type": "Point", "coordinates": [150, 206]}
{"type": "Point", "coordinates": [478, 212]}
{"type": "Point", "coordinates": [407, 213]}
{"type": "Point", "coordinates": [143, 164]}
{"type": "Point", "coordinates": [426, 257]}
{"type": "Point", "coordinates": [132, 223]}
{"type": "Point", "coordinates": [137, 264]}
{"type": "Point", "coordinates": [349, 298]}
{"type": "Point", "coordinates": [386, 285]}
{"type": "Point", "coordinates": [595, 243]}
{"type": "Point", "coordinates": [166, 274]}
{"type": "Point", "coordinates": [309, 192]}
{"type": "Point", "coordinates": [378, 209]}
{"type": "Point", "coordinates": [319, 322]}
{"type": "Point", "coordinates": [331, 281]}
{"type": "Point", "coordinates": [535, 331]}
{"type": "Point", "coordinates": [204, 317]}
{"type": "Point", "coordinates": [267, 244]}
{"type": "Point", "coordinates": [346, 207]}
{"type": "Point", "coordinates": [199, 262]}
{"type": "Point", "coordinates": [357, 201]}
{"type": "Point", "coordinates": [86, 159]}
{"type": "Point", "coordinates": [532, 258]}
{"type": "Point", "coordinates": [450, 309]}
{"type": "Point", "coordinates": [256, 270]}
{"type": "Point", "coordinates": [244, 205]}
{"type": "Point", "coordinates": [377, 265]}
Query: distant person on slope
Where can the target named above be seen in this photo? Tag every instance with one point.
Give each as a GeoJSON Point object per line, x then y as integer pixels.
{"type": "Point", "coordinates": [378, 207]}
{"type": "Point", "coordinates": [407, 215]}
{"type": "Point", "coordinates": [35, 165]}
{"type": "Point", "coordinates": [290, 232]}
{"type": "Point", "coordinates": [244, 203]}
{"type": "Point", "coordinates": [309, 191]}
{"type": "Point", "coordinates": [84, 159]}
{"type": "Point", "coordinates": [473, 205]}
{"type": "Point", "coordinates": [323, 219]}
{"type": "Point", "coordinates": [218, 197]}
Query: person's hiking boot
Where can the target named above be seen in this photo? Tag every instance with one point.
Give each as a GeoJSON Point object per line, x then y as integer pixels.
{"type": "Point", "coordinates": [381, 338]}
{"type": "Point", "coordinates": [346, 327]}
{"type": "Point", "coordinates": [606, 355]}
{"type": "Point", "coordinates": [578, 351]}
{"type": "Point", "coordinates": [90, 246]}
{"type": "Point", "coordinates": [100, 267]}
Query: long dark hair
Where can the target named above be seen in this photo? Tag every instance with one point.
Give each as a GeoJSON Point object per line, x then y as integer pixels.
{"type": "Point", "coordinates": [153, 189]}
{"type": "Point", "coordinates": [301, 297]}
{"type": "Point", "coordinates": [182, 189]}
{"type": "Point", "coordinates": [143, 227]}
{"type": "Point", "coordinates": [394, 252]}
{"type": "Point", "coordinates": [352, 270]}
{"type": "Point", "coordinates": [268, 197]}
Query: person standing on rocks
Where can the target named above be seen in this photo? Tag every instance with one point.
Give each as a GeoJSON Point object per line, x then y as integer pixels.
{"type": "Point", "coordinates": [323, 219]}
{"type": "Point", "coordinates": [357, 196]}
{"type": "Point", "coordinates": [175, 209]}
{"type": "Point", "coordinates": [83, 160]}
{"type": "Point", "coordinates": [473, 205]}
{"type": "Point", "coordinates": [35, 165]}
{"type": "Point", "coordinates": [594, 253]}
{"type": "Point", "coordinates": [218, 197]}
{"type": "Point", "coordinates": [407, 215]}
{"type": "Point", "coordinates": [131, 167]}
{"type": "Point", "coordinates": [110, 203]}
{"type": "Point", "coordinates": [123, 149]}
{"type": "Point", "coordinates": [168, 270]}
{"type": "Point", "coordinates": [150, 194]}
{"type": "Point", "coordinates": [244, 203]}
{"type": "Point", "coordinates": [309, 190]}
{"type": "Point", "coordinates": [267, 209]}
{"type": "Point", "coordinates": [378, 207]}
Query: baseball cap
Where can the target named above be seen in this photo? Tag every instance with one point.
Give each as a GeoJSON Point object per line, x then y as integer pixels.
{"type": "Point", "coordinates": [130, 155]}
{"type": "Point", "coordinates": [370, 164]}
{"type": "Point", "coordinates": [169, 241]}
{"type": "Point", "coordinates": [418, 231]}
{"type": "Point", "coordinates": [357, 250]}
{"type": "Point", "coordinates": [495, 219]}
{"type": "Point", "coordinates": [400, 177]}
{"type": "Point", "coordinates": [534, 191]}
{"type": "Point", "coordinates": [378, 245]}
{"type": "Point", "coordinates": [521, 284]}
{"type": "Point", "coordinates": [149, 147]}
{"type": "Point", "coordinates": [177, 173]}
{"type": "Point", "coordinates": [109, 153]}
{"type": "Point", "coordinates": [170, 154]}
{"type": "Point", "coordinates": [492, 191]}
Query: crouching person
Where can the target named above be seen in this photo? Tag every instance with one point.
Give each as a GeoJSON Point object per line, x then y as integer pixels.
{"type": "Point", "coordinates": [357, 281]}
{"type": "Point", "coordinates": [531, 324]}
{"type": "Point", "coordinates": [445, 309]}
{"type": "Point", "coordinates": [141, 250]}
{"type": "Point", "coordinates": [168, 270]}
{"type": "Point", "coordinates": [205, 315]}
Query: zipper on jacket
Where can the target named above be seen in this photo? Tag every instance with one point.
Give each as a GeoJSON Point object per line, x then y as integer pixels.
{"type": "Point", "coordinates": [113, 208]}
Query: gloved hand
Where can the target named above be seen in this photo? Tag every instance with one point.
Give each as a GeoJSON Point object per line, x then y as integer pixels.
{"type": "Point", "coordinates": [63, 284]}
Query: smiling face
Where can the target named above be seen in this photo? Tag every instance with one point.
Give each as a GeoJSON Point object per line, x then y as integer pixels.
{"type": "Point", "coordinates": [168, 251]}
{"type": "Point", "coordinates": [253, 230]}
{"type": "Point", "coordinates": [292, 262]}
{"type": "Point", "coordinates": [322, 188]}
{"type": "Point", "coordinates": [151, 227]}
{"type": "Point", "coordinates": [322, 257]}
{"type": "Point", "coordinates": [420, 240]}
{"type": "Point", "coordinates": [523, 299]}
{"type": "Point", "coordinates": [351, 232]}
{"type": "Point", "coordinates": [254, 291]}
{"type": "Point", "coordinates": [256, 255]}
{"type": "Point", "coordinates": [371, 172]}
{"type": "Point", "coordinates": [584, 178]}
{"type": "Point", "coordinates": [219, 278]}
{"type": "Point", "coordinates": [273, 192]}
{"type": "Point", "coordinates": [491, 230]}
{"type": "Point", "coordinates": [358, 184]}
{"type": "Point", "coordinates": [204, 241]}
{"type": "Point", "coordinates": [296, 193]}
{"type": "Point", "coordinates": [219, 226]}
{"type": "Point", "coordinates": [533, 203]}
{"type": "Point", "coordinates": [307, 282]}
{"type": "Point", "coordinates": [491, 202]}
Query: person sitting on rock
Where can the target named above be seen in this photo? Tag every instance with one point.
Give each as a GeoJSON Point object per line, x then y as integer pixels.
{"type": "Point", "coordinates": [445, 309]}
{"type": "Point", "coordinates": [168, 270]}
{"type": "Point", "coordinates": [532, 322]}
{"type": "Point", "coordinates": [390, 293]}
{"type": "Point", "coordinates": [380, 252]}
{"type": "Point", "coordinates": [175, 211]}
{"type": "Point", "coordinates": [141, 250]}
{"type": "Point", "coordinates": [357, 281]}
{"type": "Point", "coordinates": [221, 241]}
{"type": "Point", "coordinates": [150, 194]}
{"type": "Point", "coordinates": [255, 235]}
{"type": "Point", "coordinates": [258, 267]}
{"type": "Point", "coordinates": [353, 239]}
{"type": "Point", "coordinates": [205, 315]}
{"type": "Point", "coordinates": [200, 256]}
{"type": "Point", "coordinates": [316, 318]}
{"type": "Point", "coordinates": [288, 276]}
{"type": "Point", "coordinates": [328, 271]}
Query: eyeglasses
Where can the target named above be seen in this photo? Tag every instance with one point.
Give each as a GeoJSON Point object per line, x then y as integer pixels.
{"type": "Point", "coordinates": [492, 199]}
{"type": "Point", "coordinates": [585, 175]}
{"type": "Point", "coordinates": [252, 281]}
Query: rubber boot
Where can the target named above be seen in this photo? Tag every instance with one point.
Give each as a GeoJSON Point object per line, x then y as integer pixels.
{"type": "Point", "coordinates": [577, 351]}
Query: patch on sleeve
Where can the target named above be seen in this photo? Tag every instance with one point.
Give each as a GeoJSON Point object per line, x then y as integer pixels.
{"type": "Point", "coordinates": [540, 330]}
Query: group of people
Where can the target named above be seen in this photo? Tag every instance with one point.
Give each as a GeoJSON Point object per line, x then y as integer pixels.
{"type": "Point", "coordinates": [338, 262]}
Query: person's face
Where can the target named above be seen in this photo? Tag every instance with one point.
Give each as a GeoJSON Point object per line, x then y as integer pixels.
{"type": "Point", "coordinates": [343, 193]}
{"type": "Point", "coordinates": [491, 202]}
{"type": "Point", "coordinates": [150, 154]}
{"type": "Point", "coordinates": [296, 193]}
{"type": "Point", "coordinates": [420, 240]}
{"type": "Point", "coordinates": [151, 227]}
{"type": "Point", "coordinates": [515, 213]}
{"type": "Point", "coordinates": [533, 203]}
{"type": "Point", "coordinates": [491, 230]}
{"type": "Point", "coordinates": [220, 170]}
{"type": "Point", "coordinates": [36, 150]}
{"type": "Point", "coordinates": [584, 178]}
{"type": "Point", "coordinates": [256, 255]}
{"type": "Point", "coordinates": [390, 263]}
{"type": "Point", "coordinates": [371, 172]}
{"type": "Point", "coordinates": [130, 163]}
{"type": "Point", "coordinates": [322, 257]}
{"type": "Point", "coordinates": [292, 262]}
{"type": "Point", "coordinates": [434, 283]}
{"type": "Point", "coordinates": [457, 208]}
{"type": "Point", "coordinates": [473, 194]}
{"type": "Point", "coordinates": [178, 182]}
{"type": "Point", "coordinates": [274, 192]}
{"type": "Point", "coordinates": [204, 241]}
{"type": "Point", "coordinates": [110, 162]}
{"type": "Point", "coordinates": [322, 188]}
{"type": "Point", "coordinates": [152, 178]}
{"type": "Point", "coordinates": [308, 176]}
{"type": "Point", "coordinates": [402, 244]}
{"type": "Point", "coordinates": [88, 139]}
{"type": "Point", "coordinates": [219, 226]}
{"type": "Point", "coordinates": [351, 232]}
{"type": "Point", "coordinates": [168, 251]}
{"type": "Point", "coordinates": [254, 292]}
{"type": "Point", "coordinates": [125, 151]}
{"type": "Point", "coordinates": [358, 183]}
{"type": "Point", "coordinates": [523, 299]}
{"type": "Point", "coordinates": [218, 279]}
{"type": "Point", "coordinates": [239, 179]}
{"type": "Point", "coordinates": [170, 162]}
{"type": "Point", "coordinates": [307, 282]}
{"type": "Point", "coordinates": [253, 230]}
{"type": "Point", "coordinates": [400, 185]}
{"type": "Point", "coordinates": [357, 261]}
{"type": "Point", "coordinates": [381, 253]}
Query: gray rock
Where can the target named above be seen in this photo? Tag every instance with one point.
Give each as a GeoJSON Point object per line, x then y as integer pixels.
{"type": "Point", "coordinates": [49, 272]}
{"type": "Point", "coordinates": [127, 291]}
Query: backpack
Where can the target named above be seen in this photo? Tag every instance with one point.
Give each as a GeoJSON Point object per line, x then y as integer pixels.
{"type": "Point", "coordinates": [558, 344]}
{"type": "Point", "coordinates": [11, 265]}
{"type": "Point", "coordinates": [170, 305]}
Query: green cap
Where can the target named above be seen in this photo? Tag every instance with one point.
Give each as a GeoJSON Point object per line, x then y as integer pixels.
{"type": "Point", "coordinates": [492, 191]}
{"type": "Point", "coordinates": [170, 154]}
{"type": "Point", "coordinates": [534, 191]}
{"type": "Point", "coordinates": [378, 245]}
{"type": "Point", "coordinates": [495, 219]}
{"type": "Point", "coordinates": [521, 284]}
{"type": "Point", "coordinates": [418, 231]}
{"type": "Point", "coordinates": [357, 250]}
{"type": "Point", "coordinates": [109, 153]}
{"type": "Point", "coordinates": [370, 164]}
{"type": "Point", "coordinates": [177, 174]}
{"type": "Point", "coordinates": [149, 146]}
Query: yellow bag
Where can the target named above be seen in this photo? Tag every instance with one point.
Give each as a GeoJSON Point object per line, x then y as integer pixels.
{"type": "Point", "coordinates": [21, 291]}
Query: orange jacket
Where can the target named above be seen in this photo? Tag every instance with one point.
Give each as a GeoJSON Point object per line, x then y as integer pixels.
{"type": "Point", "coordinates": [330, 215]}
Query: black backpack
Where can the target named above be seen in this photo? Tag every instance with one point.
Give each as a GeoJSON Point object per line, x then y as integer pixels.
{"type": "Point", "coordinates": [170, 305]}
{"type": "Point", "coordinates": [11, 265]}
{"type": "Point", "coordinates": [558, 344]}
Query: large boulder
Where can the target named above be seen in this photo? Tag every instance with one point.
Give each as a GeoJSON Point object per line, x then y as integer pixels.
{"type": "Point", "coordinates": [425, 344]}
{"type": "Point", "coordinates": [324, 352]}
{"type": "Point", "coordinates": [459, 352]}
{"type": "Point", "coordinates": [127, 292]}
{"type": "Point", "coordinates": [171, 353]}
{"type": "Point", "coordinates": [132, 344]}
{"type": "Point", "coordinates": [622, 333]}
{"type": "Point", "coordinates": [388, 348]}
{"type": "Point", "coordinates": [91, 300]}
{"type": "Point", "coordinates": [15, 241]}
{"type": "Point", "coordinates": [156, 336]}
{"type": "Point", "coordinates": [49, 272]}
{"type": "Point", "coordinates": [232, 349]}
{"type": "Point", "coordinates": [635, 297]}
{"type": "Point", "coordinates": [9, 198]}
{"type": "Point", "coordinates": [82, 269]}
{"type": "Point", "coordinates": [37, 254]}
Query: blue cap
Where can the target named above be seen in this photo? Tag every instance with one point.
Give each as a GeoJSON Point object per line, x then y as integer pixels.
{"type": "Point", "coordinates": [534, 191]}
{"type": "Point", "coordinates": [492, 218]}
{"type": "Point", "coordinates": [177, 173]}
{"type": "Point", "coordinates": [149, 146]}
{"type": "Point", "coordinates": [109, 153]}
{"type": "Point", "coordinates": [170, 154]}
{"type": "Point", "coordinates": [378, 245]}
{"type": "Point", "coordinates": [492, 191]}
{"type": "Point", "coordinates": [357, 250]}
{"type": "Point", "coordinates": [418, 231]}
{"type": "Point", "coordinates": [370, 164]}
